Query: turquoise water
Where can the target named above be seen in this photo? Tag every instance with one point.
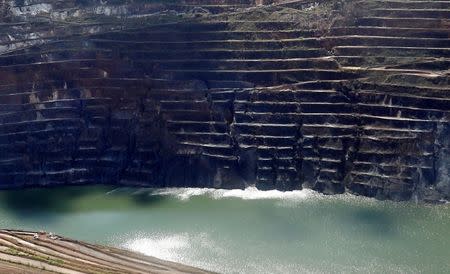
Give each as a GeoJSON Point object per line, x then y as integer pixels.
{"type": "Point", "coordinates": [244, 231]}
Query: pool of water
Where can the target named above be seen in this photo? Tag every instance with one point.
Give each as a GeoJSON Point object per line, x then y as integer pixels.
{"type": "Point", "coordinates": [244, 231]}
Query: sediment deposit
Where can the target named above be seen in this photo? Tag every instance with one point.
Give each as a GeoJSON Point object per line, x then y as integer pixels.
{"type": "Point", "coordinates": [42, 252]}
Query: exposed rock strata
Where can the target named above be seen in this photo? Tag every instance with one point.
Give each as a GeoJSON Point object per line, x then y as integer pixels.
{"type": "Point", "coordinates": [28, 252]}
{"type": "Point", "coordinates": [332, 95]}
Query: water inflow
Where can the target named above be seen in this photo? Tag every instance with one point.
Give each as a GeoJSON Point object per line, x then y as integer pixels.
{"type": "Point", "coordinates": [244, 231]}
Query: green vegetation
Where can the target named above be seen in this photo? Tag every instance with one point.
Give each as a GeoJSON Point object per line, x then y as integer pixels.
{"type": "Point", "coordinates": [18, 252]}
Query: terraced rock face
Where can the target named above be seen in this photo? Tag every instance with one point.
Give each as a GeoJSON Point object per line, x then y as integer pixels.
{"type": "Point", "coordinates": [331, 95]}
{"type": "Point", "coordinates": [24, 252]}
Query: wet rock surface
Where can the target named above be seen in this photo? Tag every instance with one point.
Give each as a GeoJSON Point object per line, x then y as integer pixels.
{"type": "Point", "coordinates": [320, 94]}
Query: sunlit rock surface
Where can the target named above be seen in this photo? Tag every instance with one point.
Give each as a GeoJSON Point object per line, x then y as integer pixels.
{"type": "Point", "coordinates": [26, 252]}
{"type": "Point", "coordinates": [331, 95]}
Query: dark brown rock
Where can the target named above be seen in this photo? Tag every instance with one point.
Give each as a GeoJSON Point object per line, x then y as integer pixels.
{"type": "Point", "coordinates": [280, 96]}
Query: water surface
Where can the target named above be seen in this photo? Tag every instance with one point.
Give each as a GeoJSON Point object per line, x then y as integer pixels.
{"type": "Point", "coordinates": [244, 231]}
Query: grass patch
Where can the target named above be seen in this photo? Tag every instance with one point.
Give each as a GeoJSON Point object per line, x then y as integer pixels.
{"type": "Point", "coordinates": [18, 252]}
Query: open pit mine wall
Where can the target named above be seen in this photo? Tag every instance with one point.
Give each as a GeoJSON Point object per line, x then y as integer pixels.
{"type": "Point", "coordinates": [206, 103]}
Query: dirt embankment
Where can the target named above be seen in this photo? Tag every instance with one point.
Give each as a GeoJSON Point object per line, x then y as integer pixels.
{"type": "Point", "coordinates": [30, 252]}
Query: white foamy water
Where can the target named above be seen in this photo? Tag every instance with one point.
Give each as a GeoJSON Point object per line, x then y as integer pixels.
{"type": "Point", "coordinates": [250, 193]}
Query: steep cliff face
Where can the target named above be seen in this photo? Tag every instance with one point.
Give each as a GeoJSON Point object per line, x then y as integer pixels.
{"type": "Point", "coordinates": [331, 95]}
